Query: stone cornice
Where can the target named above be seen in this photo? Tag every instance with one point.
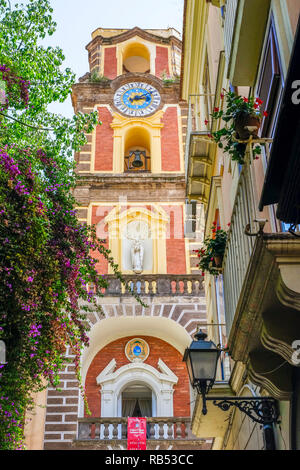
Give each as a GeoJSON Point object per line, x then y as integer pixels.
{"type": "Point", "coordinates": [136, 31]}
{"type": "Point", "coordinates": [86, 179]}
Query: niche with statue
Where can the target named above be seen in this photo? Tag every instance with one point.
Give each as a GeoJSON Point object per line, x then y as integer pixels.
{"type": "Point", "coordinates": [137, 247]}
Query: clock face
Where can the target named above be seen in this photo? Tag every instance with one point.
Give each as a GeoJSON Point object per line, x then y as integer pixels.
{"type": "Point", "coordinates": [137, 99]}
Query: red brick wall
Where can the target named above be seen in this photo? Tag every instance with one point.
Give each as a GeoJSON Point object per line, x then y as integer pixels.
{"type": "Point", "coordinates": [110, 62]}
{"type": "Point", "coordinates": [104, 142]}
{"type": "Point", "coordinates": [175, 243]}
{"type": "Point", "coordinates": [170, 153]}
{"type": "Point", "coordinates": [98, 214]}
{"type": "Point", "coordinates": [162, 61]}
{"type": "Point", "coordinates": [158, 350]}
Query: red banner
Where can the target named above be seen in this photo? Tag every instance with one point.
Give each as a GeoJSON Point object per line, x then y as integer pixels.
{"type": "Point", "coordinates": [136, 434]}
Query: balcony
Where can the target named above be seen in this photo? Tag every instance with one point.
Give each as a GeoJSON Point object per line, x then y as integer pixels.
{"type": "Point", "coordinates": [162, 433]}
{"type": "Point", "coordinates": [198, 156]}
{"type": "Point", "coordinates": [156, 285]}
{"type": "Point", "coordinates": [239, 247]}
{"type": "Point", "coordinates": [261, 292]}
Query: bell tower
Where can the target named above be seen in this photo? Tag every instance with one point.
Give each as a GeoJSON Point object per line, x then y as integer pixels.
{"type": "Point", "coordinates": [132, 188]}
{"type": "Point", "coordinates": [138, 151]}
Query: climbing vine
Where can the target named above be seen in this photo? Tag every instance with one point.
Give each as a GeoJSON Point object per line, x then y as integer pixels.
{"type": "Point", "coordinates": [48, 273]}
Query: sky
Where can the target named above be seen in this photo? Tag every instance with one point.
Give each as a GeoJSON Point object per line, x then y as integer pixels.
{"type": "Point", "coordinates": [77, 19]}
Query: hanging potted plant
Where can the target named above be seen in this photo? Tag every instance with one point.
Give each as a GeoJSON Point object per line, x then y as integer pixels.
{"type": "Point", "coordinates": [211, 255]}
{"type": "Point", "coordinates": [242, 117]}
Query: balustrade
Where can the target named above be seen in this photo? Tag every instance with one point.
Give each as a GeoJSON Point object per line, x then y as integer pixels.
{"type": "Point", "coordinates": [106, 429]}
{"type": "Point", "coordinates": [159, 284]}
{"type": "Point", "coordinates": [239, 247]}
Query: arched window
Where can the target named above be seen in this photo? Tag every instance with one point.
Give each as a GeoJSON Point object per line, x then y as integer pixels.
{"type": "Point", "coordinates": [137, 150]}
{"type": "Point", "coordinates": [136, 59]}
{"type": "Point", "coordinates": [137, 401]}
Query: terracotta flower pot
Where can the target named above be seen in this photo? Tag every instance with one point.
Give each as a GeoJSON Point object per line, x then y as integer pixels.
{"type": "Point", "coordinates": [218, 261]}
{"type": "Point", "coordinates": [247, 125]}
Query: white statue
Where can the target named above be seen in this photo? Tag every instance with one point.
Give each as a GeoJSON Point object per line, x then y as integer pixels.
{"type": "Point", "coordinates": [137, 232]}
{"type": "Point", "coordinates": [137, 256]}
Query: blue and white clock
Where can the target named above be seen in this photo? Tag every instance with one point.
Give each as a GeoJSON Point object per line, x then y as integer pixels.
{"type": "Point", "coordinates": [137, 99]}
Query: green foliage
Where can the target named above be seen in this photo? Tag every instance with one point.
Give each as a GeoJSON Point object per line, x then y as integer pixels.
{"type": "Point", "coordinates": [48, 276]}
{"type": "Point", "coordinates": [214, 246]}
{"type": "Point", "coordinates": [168, 80]}
{"type": "Point", "coordinates": [226, 137]}
{"type": "Point", "coordinates": [96, 78]}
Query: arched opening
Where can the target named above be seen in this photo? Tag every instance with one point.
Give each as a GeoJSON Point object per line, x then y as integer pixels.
{"type": "Point", "coordinates": [137, 401]}
{"type": "Point", "coordinates": [136, 59]}
{"type": "Point", "coordinates": [137, 150]}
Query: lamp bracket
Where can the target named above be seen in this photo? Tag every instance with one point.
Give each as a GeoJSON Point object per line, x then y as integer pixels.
{"type": "Point", "coordinates": [262, 410]}
{"type": "Point", "coordinates": [261, 224]}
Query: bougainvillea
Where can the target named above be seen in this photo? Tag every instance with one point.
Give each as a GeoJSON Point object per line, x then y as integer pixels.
{"type": "Point", "coordinates": [48, 277]}
{"type": "Point", "coordinates": [16, 88]}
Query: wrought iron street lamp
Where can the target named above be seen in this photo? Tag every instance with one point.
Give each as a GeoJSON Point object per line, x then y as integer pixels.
{"type": "Point", "coordinates": [202, 360]}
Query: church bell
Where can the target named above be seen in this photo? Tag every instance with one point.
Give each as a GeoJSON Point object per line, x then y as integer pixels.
{"type": "Point", "coordinates": [137, 162]}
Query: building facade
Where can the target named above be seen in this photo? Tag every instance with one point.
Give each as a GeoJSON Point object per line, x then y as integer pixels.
{"type": "Point", "coordinates": [250, 48]}
{"type": "Point", "coordinates": [132, 188]}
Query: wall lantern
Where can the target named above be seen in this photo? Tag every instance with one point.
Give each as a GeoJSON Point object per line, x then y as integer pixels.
{"type": "Point", "coordinates": [202, 359]}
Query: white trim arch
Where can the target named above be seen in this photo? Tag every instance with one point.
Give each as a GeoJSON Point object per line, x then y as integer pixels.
{"type": "Point", "coordinates": [110, 329]}
{"type": "Point", "coordinates": [113, 382]}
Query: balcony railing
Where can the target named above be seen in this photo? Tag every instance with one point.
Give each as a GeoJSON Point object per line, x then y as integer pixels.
{"type": "Point", "coordinates": [231, 9]}
{"type": "Point", "coordinates": [106, 429]}
{"type": "Point", "coordinates": [200, 108]}
{"type": "Point", "coordinates": [156, 284]}
{"type": "Point", "coordinates": [198, 166]}
{"type": "Point", "coordinates": [240, 246]}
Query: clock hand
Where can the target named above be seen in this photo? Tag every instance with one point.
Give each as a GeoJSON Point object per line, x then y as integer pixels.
{"type": "Point", "coordinates": [140, 97]}
{"type": "Point", "coordinates": [146, 94]}
{"type": "Point", "coordinates": [135, 98]}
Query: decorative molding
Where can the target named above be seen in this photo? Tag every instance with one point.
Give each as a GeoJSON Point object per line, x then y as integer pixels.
{"type": "Point", "coordinates": [114, 381]}
{"type": "Point", "coordinates": [109, 374]}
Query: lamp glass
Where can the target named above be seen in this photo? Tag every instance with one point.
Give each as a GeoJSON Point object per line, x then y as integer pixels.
{"type": "Point", "coordinates": [190, 369]}
{"type": "Point", "coordinates": [203, 364]}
